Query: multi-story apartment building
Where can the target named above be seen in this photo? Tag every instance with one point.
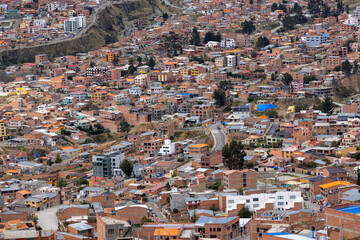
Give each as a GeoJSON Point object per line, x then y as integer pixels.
{"type": "Point", "coordinates": [234, 179]}
{"type": "Point", "coordinates": [281, 200]}
{"type": "Point", "coordinates": [108, 164]}
{"type": "Point", "coordinates": [203, 111]}
{"type": "Point", "coordinates": [225, 228]}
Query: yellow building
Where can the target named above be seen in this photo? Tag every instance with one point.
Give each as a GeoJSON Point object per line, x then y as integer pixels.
{"type": "Point", "coordinates": [21, 91]}
{"type": "Point", "coordinates": [36, 201]}
{"type": "Point", "coordinates": [344, 151]}
{"type": "Point", "coordinates": [194, 72]}
{"type": "Point", "coordinates": [219, 62]}
{"type": "Point", "coordinates": [290, 109]}
{"type": "Point", "coordinates": [3, 132]}
{"type": "Point", "coordinates": [112, 56]}
{"type": "Point", "coordinates": [184, 71]}
{"type": "Point", "coordinates": [99, 95]}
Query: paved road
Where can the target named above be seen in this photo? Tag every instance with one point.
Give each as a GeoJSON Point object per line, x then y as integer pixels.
{"type": "Point", "coordinates": [219, 137]}
{"type": "Point", "coordinates": [48, 219]}
{"type": "Point", "coordinates": [170, 5]}
{"type": "Point", "coordinates": [277, 28]}
{"type": "Point", "coordinates": [158, 212]}
{"type": "Point", "coordinates": [93, 17]}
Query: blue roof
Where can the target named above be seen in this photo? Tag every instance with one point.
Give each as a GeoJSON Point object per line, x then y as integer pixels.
{"type": "Point", "coordinates": [210, 220]}
{"type": "Point", "coordinates": [353, 209]}
{"type": "Point", "coordinates": [285, 235]}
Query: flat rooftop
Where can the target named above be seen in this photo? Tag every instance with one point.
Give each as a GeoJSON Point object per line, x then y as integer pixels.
{"type": "Point", "coordinates": [353, 209]}
{"type": "Point", "coordinates": [109, 220]}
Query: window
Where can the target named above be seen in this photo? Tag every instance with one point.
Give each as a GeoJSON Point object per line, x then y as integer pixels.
{"type": "Point", "coordinates": [247, 200]}
{"type": "Point", "coordinates": [292, 197]}
{"type": "Point", "coordinates": [111, 231]}
{"type": "Point", "coordinates": [280, 203]}
{"type": "Point", "coordinates": [280, 197]}
{"type": "Point", "coordinates": [255, 199]}
{"type": "Point", "coordinates": [255, 205]}
{"type": "Point", "coordinates": [231, 201]}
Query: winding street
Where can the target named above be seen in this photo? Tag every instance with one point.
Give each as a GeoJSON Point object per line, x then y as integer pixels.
{"type": "Point", "coordinates": [219, 137]}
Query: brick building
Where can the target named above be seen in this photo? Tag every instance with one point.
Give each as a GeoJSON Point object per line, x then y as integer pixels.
{"type": "Point", "coordinates": [234, 179]}
{"type": "Point", "coordinates": [222, 228]}
{"type": "Point", "coordinates": [210, 160]}
{"type": "Point", "coordinates": [343, 221]}
{"type": "Point", "coordinates": [134, 213]}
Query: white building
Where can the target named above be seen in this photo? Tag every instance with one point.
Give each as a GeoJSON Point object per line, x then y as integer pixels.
{"type": "Point", "coordinates": [357, 12]}
{"type": "Point", "coordinates": [315, 40]}
{"type": "Point", "coordinates": [168, 148]}
{"type": "Point", "coordinates": [122, 99]}
{"type": "Point", "coordinates": [352, 21]}
{"type": "Point", "coordinates": [281, 200]}
{"type": "Point", "coordinates": [74, 23]}
{"type": "Point", "coordinates": [40, 22]}
{"type": "Point", "coordinates": [140, 79]}
{"type": "Point", "coordinates": [228, 43]}
{"type": "Point", "coordinates": [135, 91]}
{"type": "Point", "coordinates": [81, 20]}
{"type": "Point", "coordinates": [231, 60]}
{"type": "Point", "coordinates": [71, 26]}
{"type": "Point", "coordinates": [212, 44]}
{"type": "Point", "coordinates": [243, 111]}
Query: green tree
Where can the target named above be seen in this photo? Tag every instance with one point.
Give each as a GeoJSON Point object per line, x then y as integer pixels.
{"type": "Point", "coordinates": [145, 220]}
{"type": "Point", "coordinates": [171, 43]}
{"type": "Point", "coordinates": [131, 69]}
{"type": "Point", "coordinates": [289, 22]}
{"type": "Point", "coordinates": [209, 36]}
{"type": "Point", "coordinates": [346, 67]}
{"type": "Point", "coordinates": [127, 167]}
{"type": "Point", "coordinates": [61, 183]}
{"type": "Point", "coordinates": [262, 42]}
{"type": "Point", "coordinates": [58, 158]}
{"type": "Point", "coordinates": [233, 155]}
{"type": "Point", "coordinates": [273, 77]}
{"type": "Point", "coordinates": [337, 69]}
{"type": "Point", "coordinates": [225, 85]}
{"type": "Point", "coordinates": [318, 8]}
{"type": "Point", "coordinates": [49, 162]}
{"type": "Point", "coordinates": [356, 67]}
{"type": "Point", "coordinates": [287, 79]}
{"type": "Point", "coordinates": [218, 37]}
{"type": "Point", "coordinates": [220, 97]}
{"type": "Point", "coordinates": [282, 7]}
{"type": "Point", "coordinates": [82, 181]}
{"type": "Point", "coordinates": [195, 37]}
{"type": "Point", "coordinates": [248, 27]}
{"type": "Point", "coordinates": [310, 78]}
{"type": "Point", "coordinates": [327, 105]}
{"type": "Point", "coordinates": [245, 212]}
{"type": "Point", "coordinates": [240, 191]}
{"type": "Point", "coordinates": [347, 9]}
{"type": "Point", "coordinates": [271, 113]}
{"type": "Point", "coordinates": [125, 126]}
{"type": "Point", "coordinates": [151, 62]}
{"type": "Point", "coordinates": [139, 59]}
{"type": "Point", "coordinates": [274, 7]}
{"type": "Point", "coordinates": [175, 210]}
{"type": "Point", "coordinates": [168, 187]}
{"type": "Point", "coordinates": [165, 16]}
{"type": "Point", "coordinates": [297, 9]}
{"type": "Point", "coordinates": [216, 185]}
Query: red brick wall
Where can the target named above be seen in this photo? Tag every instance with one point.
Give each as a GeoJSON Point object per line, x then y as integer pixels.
{"type": "Point", "coordinates": [134, 214]}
